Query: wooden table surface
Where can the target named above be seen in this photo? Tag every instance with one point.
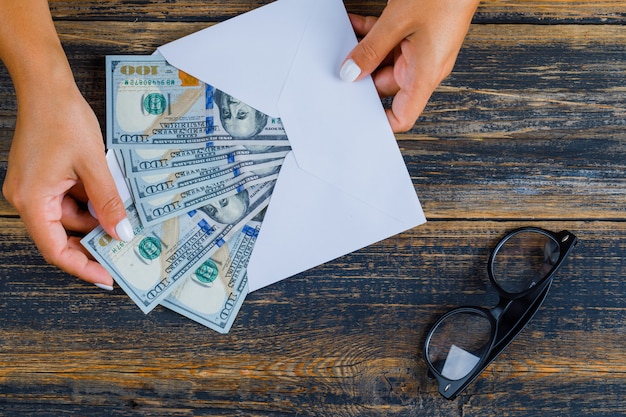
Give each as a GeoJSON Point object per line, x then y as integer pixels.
{"type": "Point", "coordinates": [530, 129]}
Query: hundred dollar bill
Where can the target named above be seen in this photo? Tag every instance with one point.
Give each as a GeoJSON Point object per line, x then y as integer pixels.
{"type": "Point", "coordinates": [227, 198]}
{"type": "Point", "coordinates": [150, 266]}
{"type": "Point", "coordinates": [160, 257]}
{"type": "Point", "coordinates": [166, 183]}
{"type": "Point", "coordinates": [213, 294]}
{"type": "Point", "coordinates": [142, 160]}
{"type": "Point", "coordinates": [152, 104]}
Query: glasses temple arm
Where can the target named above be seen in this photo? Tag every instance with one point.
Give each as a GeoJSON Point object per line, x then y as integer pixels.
{"type": "Point", "coordinates": [509, 329]}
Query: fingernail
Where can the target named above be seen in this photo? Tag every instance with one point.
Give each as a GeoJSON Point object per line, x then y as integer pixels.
{"type": "Point", "coordinates": [125, 230]}
{"type": "Point", "coordinates": [349, 71]}
{"type": "Point", "coordinates": [104, 286]}
{"type": "Point", "coordinates": [92, 211]}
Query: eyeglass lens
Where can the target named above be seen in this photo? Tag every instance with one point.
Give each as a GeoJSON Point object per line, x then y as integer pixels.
{"type": "Point", "coordinates": [523, 260]}
{"type": "Point", "coordinates": [458, 343]}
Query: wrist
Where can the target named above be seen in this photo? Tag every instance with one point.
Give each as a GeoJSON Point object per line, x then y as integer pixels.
{"type": "Point", "coordinates": [38, 75]}
{"type": "Point", "coordinates": [31, 49]}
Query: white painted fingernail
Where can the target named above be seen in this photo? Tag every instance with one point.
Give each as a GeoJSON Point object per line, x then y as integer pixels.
{"type": "Point", "coordinates": [125, 230]}
{"type": "Point", "coordinates": [349, 71]}
{"type": "Point", "coordinates": [92, 211]}
{"type": "Point", "coordinates": [104, 286]}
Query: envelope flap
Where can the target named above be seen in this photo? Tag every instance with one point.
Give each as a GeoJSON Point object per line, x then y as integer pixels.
{"type": "Point", "coordinates": [339, 131]}
{"type": "Point", "coordinates": [248, 56]}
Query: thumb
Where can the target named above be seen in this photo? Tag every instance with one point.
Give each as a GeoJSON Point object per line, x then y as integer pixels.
{"type": "Point", "coordinates": [104, 201]}
{"type": "Point", "coordinates": [380, 37]}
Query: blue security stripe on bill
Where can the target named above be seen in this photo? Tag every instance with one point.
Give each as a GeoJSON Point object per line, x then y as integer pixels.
{"type": "Point", "coordinates": [250, 231]}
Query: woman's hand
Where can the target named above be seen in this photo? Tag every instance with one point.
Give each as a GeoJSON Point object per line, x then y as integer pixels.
{"type": "Point", "coordinates": [57, 158]}
{"type": "Point", "coordinates": [57, 162]}
{"type": "Point", "coordinates": [408, 51]}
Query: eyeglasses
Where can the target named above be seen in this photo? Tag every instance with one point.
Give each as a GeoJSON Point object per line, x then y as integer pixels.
{"type": "Point", "coordinates": [464, 341]}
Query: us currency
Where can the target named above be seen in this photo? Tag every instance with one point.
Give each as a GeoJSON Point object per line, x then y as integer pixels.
{"type": "Point", "coordinates": [213, 294]}
{"type": "Point", "coordinates": [228, 197]}
{"type": "Point", "coordinates": [139, 161]}
{"type": "Point", "coordinates": [160, 257]}
{"type": "Point", "coordinates": [150, 266]}
{"type": "Point", "coordinates": [152, 104]}
{"type": "Point", "coordinates": [165, 183]}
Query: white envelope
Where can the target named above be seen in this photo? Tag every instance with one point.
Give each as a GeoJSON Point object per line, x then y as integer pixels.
{"type": "Point", "coordinates": [345, 185]}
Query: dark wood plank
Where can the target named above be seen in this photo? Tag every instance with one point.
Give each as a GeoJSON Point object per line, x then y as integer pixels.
{"type": "Point", "coordinates": [526, 178]}
{"type": "Point", "coordinates": [551, 12]}
{"type": "Point", "coordinates": [522, 81]}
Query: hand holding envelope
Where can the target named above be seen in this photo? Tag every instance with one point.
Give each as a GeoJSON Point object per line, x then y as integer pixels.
{"type": "Point", "coordinates": [345, 185]}
{"type": "Point", "coordinates": [408, 51]}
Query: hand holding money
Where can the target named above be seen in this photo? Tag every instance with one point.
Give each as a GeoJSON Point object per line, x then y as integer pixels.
{"type": "Point", "coordinates": [200, 167]}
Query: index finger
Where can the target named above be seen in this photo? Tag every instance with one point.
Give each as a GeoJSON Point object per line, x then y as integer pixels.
{"type": "Point", "coordinates": [381, 36]}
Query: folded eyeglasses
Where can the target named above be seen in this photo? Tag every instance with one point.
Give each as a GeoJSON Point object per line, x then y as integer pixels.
{"type": "Point", "coordinates": [464, 341]}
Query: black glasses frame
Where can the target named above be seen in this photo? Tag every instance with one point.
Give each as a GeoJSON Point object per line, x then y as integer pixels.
{"type": "Point", "coordinates": [511, 314]}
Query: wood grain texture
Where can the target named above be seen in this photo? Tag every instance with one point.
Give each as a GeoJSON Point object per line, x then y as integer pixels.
{"type": "Point", "coordinates": [342, 339]}
{"type": "Point", "coordinates": [528, 130]}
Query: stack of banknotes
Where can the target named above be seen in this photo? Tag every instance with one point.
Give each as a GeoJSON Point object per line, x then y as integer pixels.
{"type": "Point", "coordinates": [200, 166]}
